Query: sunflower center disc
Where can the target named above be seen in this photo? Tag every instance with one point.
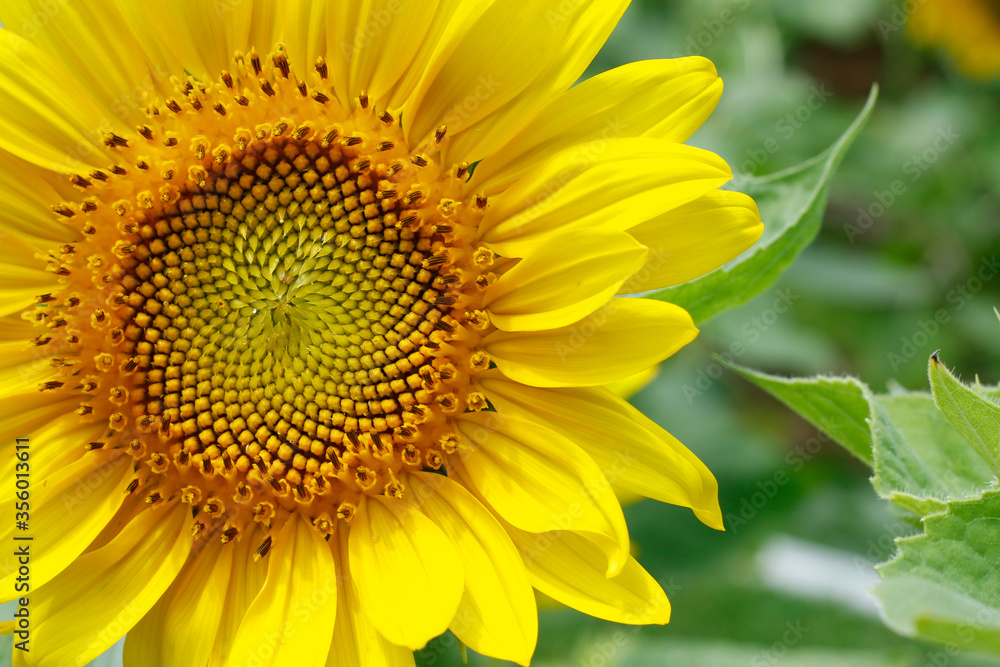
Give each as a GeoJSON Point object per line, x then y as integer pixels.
{"type": "Point", "coordinates": [288, 314]}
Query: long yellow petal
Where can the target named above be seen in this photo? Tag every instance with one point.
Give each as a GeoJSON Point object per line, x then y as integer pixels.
{"type": "Point", "coordinates": [564, 280]}
{"type": "Point", "coordinates": [612, 184]}
{"type": "Point", "coordinates": [245, 582]}
{"type": "Point", "coordinates": [290, 622]}
{"type": "Point", "coordinates": [68, 510]}
{"type": "Point", "coordinates": [497, 616]}
{"type": "Point", "coordinates": [356, 642]}
{"type": "Point", "coordinates": [620, 339]}
{"type": "Point", "coordinates": [483, 65]}
{"type": "Point", "coordinates": [667, 99]}
{"type": "Point", "coordinates": [585, 26]}
{"type": "Point", "coordinates": [539, 481]}
{"type": "Point", "coordinates": [384, 43]}
{"type": "Point", "coordinates": [408, 574]}
{"type": "Point", "coordinates": [182, 627]}
{"type": "Point", "coordinates": [95, 46]}
{"type": "Point", "coordinates": [37, 125]}
{"type": "Point", "coordinates": [635, 454]}
{"type": "Point", "coordinates": [694, 239]}
{"type": "Point", "coordinates": [104, 593]}
{"type": "Point", "coordinates": [567, 568]}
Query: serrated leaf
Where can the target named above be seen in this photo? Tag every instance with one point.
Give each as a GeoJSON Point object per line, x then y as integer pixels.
{"type": "Point", "coordinates": [919, 454]}
{"type": "Point", "coordinates": [972, 415]}
{"type": "Point", "coordinates": [791, 204]}
{"type": "Point", "coordinates": [837, 406]}
{"type": "Point", "coordinates": [945, 583]}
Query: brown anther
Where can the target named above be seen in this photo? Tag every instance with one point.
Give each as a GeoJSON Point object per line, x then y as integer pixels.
{"type": "Point", "coordinates": [302, 88]}
{"type": "Point", "coordinates": [79, 181]}
{"type": "Point", "coordinates": [419, 160]}
{"type": "Point", "coordinates": [173, 106]}
{"type": "Point", "coordinates": [363, 99]}
{"type": "Point", "coordinates": [262, 550]}
{"type": "Point", "coordinates": [170, 142]}
{"type": "Point", "coordinates": [481, 201]}
{"type": "Point", "coordinates": [461, 169]}
{"type": "Point", "coordinates": [387, 118]}
{"type": "Point", "coordinates": [280, 60]}
{"type": "Point", "coordinates": [131, 488]}
{"type": "Point", "coordinates": [255, 62]}
{"type": "Point", "coordinates": [384, 146]}
{"type": "Point", "coordinates": [440, 133]}
{"type": "Point", "coordinates": [118, 170]}
{"type": "Point", "coordinates": [320, 97]}
{"type": "Point", "coordinates": [146, 131]}
{"type": "Point", "coordinates": [227, 79]}
{"type": "Point", "coordinates": [220, 109]}
{"type": "Point", "coordinates": [242, 100]}
{"type": "Point", "coordinates": [266, 87]}
{"type": "Point", "coordinates": [321, 68]}
{"type": "Point", "coordinates": [112, 140]}
{"type": "Point", "coordinates": [352, 140]}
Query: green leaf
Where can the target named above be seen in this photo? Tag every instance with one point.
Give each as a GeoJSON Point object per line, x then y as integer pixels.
{"type": "Point", "coordinates": [791, 203]}
{"type": "Point", "coordinates": [919, 455]}
{"type": "Point", "coordinates": [837, 406]}
{"type": "Point", "coordinates": [972, 415]}
{"type": "Point", "coordinates": [945, 584]}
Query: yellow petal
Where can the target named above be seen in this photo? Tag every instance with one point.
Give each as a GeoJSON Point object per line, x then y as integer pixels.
{"type": "Point", "coordinates": [487, 61]}
{"type": "Point", "coordinates": [59, 443]}
{"type": "Point", "coordinates": [245, 582]}
{"type": "Point", "coordinates": [568, 568]}
{"type": "Point", "coordinates": [182, 627]}
{"type": "Point", "coordinates": [26, 204]}
{"type": "Point", "coordinates": [98, 598]}
{"type": "Point", "coordinates": [290, 622]}
{"type": "Point", "coordinates": [622, 338]}
{"type": "Point", "coordinates": [585, 27]}
{"type": "Point", "coordinates": [539, 481]}
{"type": "Point", "coordinates": [384, 42]}
{"type": "Point", "coordinates": [694, 239]}
{"type": "Point", "coordinates": [37, 125]}
{"type": "Point", "coordinates": [95, 46]}
{"type": "Point", "coordinates": [407, 572]}
{"type": "Point", "coordinates": [633, 384]}
{"type": "Point", "coordinates": [564, 280]}
{"type": "Point", "coordinates": [356, 642]}
{"type": "Point", "coordinates": [497, 616]}
{"type": "Point", "coordinates": [634, 452]}
{"type": "Point", "coordinates": [68, 510]}
{"type": "Point", "coordinates": [612, 184]}
{"type": "Point", "coordinates": [667, 99]}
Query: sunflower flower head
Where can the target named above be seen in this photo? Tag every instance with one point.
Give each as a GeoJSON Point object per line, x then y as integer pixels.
{"type": "Point", "coordinates": [309, 337]}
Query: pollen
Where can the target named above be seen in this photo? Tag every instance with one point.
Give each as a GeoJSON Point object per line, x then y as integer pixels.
{"type": "Point", "coordinates": [277, 302]}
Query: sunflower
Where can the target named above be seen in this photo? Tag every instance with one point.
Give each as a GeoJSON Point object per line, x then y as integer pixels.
{"type": "Point", "coordinates": [968, 29]}
{"type": "Point", "coordinates": [307, 310]}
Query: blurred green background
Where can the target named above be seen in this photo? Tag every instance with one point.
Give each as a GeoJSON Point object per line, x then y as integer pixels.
{"type": "Point", "coordinates": [888, 281]}
{"type": "Point", "coordinates": [912, 218]}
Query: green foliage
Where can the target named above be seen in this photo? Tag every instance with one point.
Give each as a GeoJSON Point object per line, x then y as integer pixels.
{"type": "Point", "coordinates": [935, 456]}
{"type": "Point", "coordinates": [791, 205]}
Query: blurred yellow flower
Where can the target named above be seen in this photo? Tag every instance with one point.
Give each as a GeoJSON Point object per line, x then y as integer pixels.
{"type": "Point", "coordinates": [969, 30]}
{"type": "Point", "coordinates": [308, 341]}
